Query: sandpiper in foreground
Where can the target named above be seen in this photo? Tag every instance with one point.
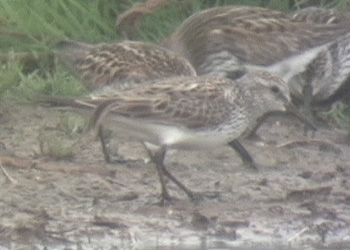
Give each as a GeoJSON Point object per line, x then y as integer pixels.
{"type": "Point", "coordinates": [193, 113]}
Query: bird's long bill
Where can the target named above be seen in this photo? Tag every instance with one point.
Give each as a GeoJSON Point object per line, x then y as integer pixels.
{"type": "Point", "coordinates": [303, 118]}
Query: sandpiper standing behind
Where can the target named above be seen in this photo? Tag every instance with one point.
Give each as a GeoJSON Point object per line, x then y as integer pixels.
{"type": "Point", "coordinates": [231, 41]}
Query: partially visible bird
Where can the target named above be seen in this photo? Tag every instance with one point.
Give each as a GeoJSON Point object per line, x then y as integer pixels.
{"type": "Point", "coordinates": [232, 40]}
{"type": "Point", "coordinates": [129, 23]}
{"type": "Point", "coordinates": [193, 113]}
{"type": "Point", "coordinates": [121, 63]}
{"type": "Point", "coordinates": [326, 77]}
{"type": "Point", "coordinates": [298, 46]}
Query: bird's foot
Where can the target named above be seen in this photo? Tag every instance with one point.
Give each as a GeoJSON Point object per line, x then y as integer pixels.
{"type": "Point", "coordinates": [115, 159]}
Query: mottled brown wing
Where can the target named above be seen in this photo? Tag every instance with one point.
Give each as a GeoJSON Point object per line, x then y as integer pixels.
{"type": "Point", "coordinates": [102, 64]}
{"type": "Point", "coordinates": [188, 103]}
{"type": "Point", "coordinates": [126, 62]}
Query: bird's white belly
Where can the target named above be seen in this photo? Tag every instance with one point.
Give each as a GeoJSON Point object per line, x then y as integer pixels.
{"type": "Point", "coordinates": [173, 137]}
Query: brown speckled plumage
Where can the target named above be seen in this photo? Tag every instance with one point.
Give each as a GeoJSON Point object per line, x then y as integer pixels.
{"type": "Point", "coordinates": [197, 102]}
{"type": "Point", "coordinates": [121, 63]}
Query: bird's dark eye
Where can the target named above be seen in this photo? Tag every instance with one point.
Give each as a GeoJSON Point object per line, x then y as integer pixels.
{"type": "Point", "coordinates": [275, 89]}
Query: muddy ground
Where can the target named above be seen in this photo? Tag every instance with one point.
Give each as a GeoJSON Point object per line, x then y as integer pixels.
{"type": "Point", "coordinates": [299, 199]}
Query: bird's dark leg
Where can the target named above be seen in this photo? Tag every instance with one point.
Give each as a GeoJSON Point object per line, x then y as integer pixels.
{"type": "Point", "coordinates": [103, 144]}
{"type": "Point", "coordinates": [105, 151]}
{"type": "Point", "coordinates": [243, 153]}
{"type": "Point", "coordinates": [306, 108]}
{"type": "Point", "coordinates": [307, 93]}
{"type": "Point", "coordinates": [158, 158]}
{"type": "Point", "coordinates": [188, 192]}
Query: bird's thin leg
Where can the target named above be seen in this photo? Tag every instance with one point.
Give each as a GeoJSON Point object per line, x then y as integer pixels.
{"type": "Point", "coordinates": [158, 159]}
{"type": "Point", "coordinates": [188, 192]}
{"type": "Point", "coordinates": [107, 156]}
{"type": "Point", "coordinates": [103, 144]}
{"type": "Point", "coordinates": [243, 153]}
{"type": "Point", "coordinates": [307, 93]}
{"type": "Point", "coordinates": [306, 109]}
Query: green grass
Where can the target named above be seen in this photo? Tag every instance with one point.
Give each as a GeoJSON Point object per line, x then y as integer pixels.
{"type": "Point", "coordinates": [30, 30]}
{"type": "Point", "coordinates": [73, 125]}
{"type": "Point", "coordinates": [61, 83]}
{"type": "Point", "coordinates": [61, 142]}
{"type": "Point", "coordinates": [10, 76]}
{"type": "Point", "coordinates": [56, 146]}
{"type": "Point", "coordinates": [338, 115]}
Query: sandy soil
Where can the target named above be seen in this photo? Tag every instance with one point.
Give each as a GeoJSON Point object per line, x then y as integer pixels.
{"type": "Point", "coordinates": [299, 199]}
